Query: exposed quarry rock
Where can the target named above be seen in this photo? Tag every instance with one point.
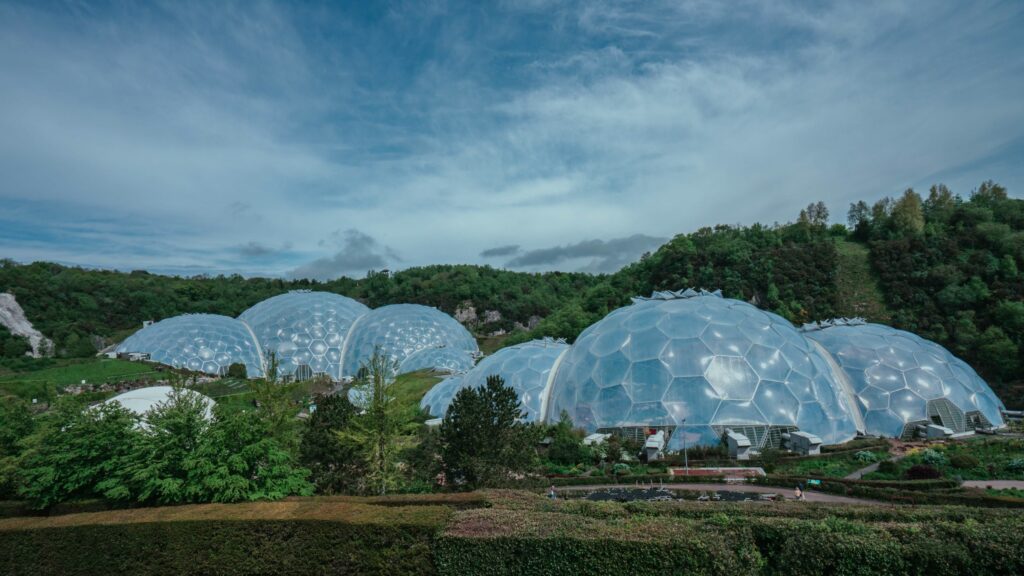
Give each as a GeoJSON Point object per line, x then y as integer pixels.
{"type": "Point", "coordinates": [466, 313]}
{"type": "Point", "coordinates": [13, 318]}
{"type": "Point", "coordinates": [491, 316]}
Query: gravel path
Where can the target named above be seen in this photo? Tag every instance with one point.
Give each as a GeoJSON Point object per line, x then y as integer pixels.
{"type": "Point", "coordinates": [809, 496]}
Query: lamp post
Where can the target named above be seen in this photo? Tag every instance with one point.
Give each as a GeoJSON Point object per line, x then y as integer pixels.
{"type": "Point", "coordinates": [686, 457]}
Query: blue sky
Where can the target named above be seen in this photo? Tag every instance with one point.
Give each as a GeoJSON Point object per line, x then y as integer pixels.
{"type": "Point", "coordinates": [311, 139]}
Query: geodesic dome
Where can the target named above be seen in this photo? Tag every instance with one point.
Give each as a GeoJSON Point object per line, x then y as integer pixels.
{"type": "Point", "coordinates": [305, 330]}
{"type": "Point", "coordinates": [142, 400]}
{"type": "Point", "coordinates": [400, 330]}
{"type": "Point", "coordinates": [902, 380]}
{"type": "Point", "coordinates": [715, 362]}
{"type": "Point", "coordinates": [526, 368]}
{"type": "Point", "coordinates": [436, 401]}
{"type": "Point", "coordinates": [200, 342]}
{"type": "Point", "coordinates": [442, 359]}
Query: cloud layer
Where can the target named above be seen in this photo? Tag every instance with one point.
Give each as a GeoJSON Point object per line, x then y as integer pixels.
{"type": "Point", "coordinates": [234, 137]}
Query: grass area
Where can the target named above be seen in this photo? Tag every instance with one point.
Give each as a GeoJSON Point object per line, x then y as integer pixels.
{"type": "Point", "coordinates": [979, 458]}
{"type": "Point", "coordinates": [491, 344]}
{"type": "Point", "coordinates": [410, 388]}
{"type": "Point", "coordinates": [830, 466]}
{"type": "Point", "coordinates": [45, 381]}
{"type": "Point", "coordinates": [857, 289]}
{"type": "Point", "coordinates": [92, 370]}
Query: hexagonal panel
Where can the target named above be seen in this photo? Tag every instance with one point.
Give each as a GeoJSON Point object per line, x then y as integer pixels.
{"type": "Point", "coordinates": [732, 377]}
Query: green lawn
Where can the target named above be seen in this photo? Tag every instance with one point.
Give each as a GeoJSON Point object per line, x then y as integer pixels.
{"type": "Point", "coordinates": [44, 382]}
{"type": "Point", "coordinates": [857, 289]}
{"type": "Point", "coordinates": [410, 388]}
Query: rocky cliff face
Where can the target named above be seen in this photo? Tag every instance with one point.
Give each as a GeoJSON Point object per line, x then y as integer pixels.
{"type": "Point", "coordinates": [13, 318]}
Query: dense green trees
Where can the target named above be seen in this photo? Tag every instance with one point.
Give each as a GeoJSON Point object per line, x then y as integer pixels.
{"type": "Point", "coordinates": [73, 305]}
{"type": "Point", "coordinates": [173, 455]}
{"type": "Point", "coordinates": [78, 453]}
{"type": "Point", "coordinates": [482, 440]}
{"type": "Point", "coordinates": [950, 271]}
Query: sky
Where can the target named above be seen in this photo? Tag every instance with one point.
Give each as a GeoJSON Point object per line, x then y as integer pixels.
{"type": "Point", "coordinates": [315, 140]}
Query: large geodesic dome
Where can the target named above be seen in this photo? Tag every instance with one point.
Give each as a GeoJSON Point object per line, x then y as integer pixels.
{"type": "Point", "coordinates": [142, 400]}
{"type": "Point", "coordinates": [714, 362]}
{"type": "Point", "coordinates": [442, 359]}
{"type": "Point", "coordinates": [902, 380]}
{"type": "Point", "coordinates": [305, 330]}
{"type": "Point", "coordinates": [436, 401]}
{"type": "Point", "coordinates": [399, 331]}
{"type": "Point", "coordinates": [200, 342]}
{"type": "Point", "coordinates": [526, 368]}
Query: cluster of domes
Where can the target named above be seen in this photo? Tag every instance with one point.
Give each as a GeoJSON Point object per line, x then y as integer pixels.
{"type": "Point", "coordinates": [694, 364]}
{"type": "Point", "coordinates": [310, 334]}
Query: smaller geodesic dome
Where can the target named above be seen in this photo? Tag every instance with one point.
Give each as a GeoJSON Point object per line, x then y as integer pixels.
{"type": "Point", "coordinates": [305, 330]}
{"type": "Point", "coordinates": [436, 401]}
{"type": "Point", "coordinates": [902, 380]}
{"type": "Point", "coordinates": [141, 400]}
{"type": "Point", "coordinates": [526, 368]}
{"type": "Point", "coordinates": [441, 359]}
{"type": "Point", "coordinates": [199, 342]}
{"type": "Point", "coordinates": [399, 331]}
{"type": "Point", "coordinates": [694, 364]}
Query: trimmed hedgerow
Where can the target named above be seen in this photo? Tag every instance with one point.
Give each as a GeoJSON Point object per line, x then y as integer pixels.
{"type": "Point", "coordinates": [304, 537]}
{"type": "Point", "coordinates": [517, 532]}
{"type": "Point", "coordinates": [501, 541]}
{"type": "Point", "coordinates": [638, 539]}
{"type": "Point", "coordinates": [934, 492]}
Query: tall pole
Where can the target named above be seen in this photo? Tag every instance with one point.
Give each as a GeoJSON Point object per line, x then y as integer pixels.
{"type": "Point", "coordinates": [686, 457]}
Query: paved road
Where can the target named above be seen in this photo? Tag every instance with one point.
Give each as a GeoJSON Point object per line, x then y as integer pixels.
{"type": "Point", "coordinates": [997, 484]}
{"type": "Point", "coordinates": [809, 496]}
{"type": "Point", "coordinates": [857, 475]}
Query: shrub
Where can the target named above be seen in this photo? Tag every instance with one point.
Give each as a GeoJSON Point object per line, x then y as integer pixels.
{"type": "Point", "coordinates": [888, 467]}
{"type": "Point", "coordinates": [1016, 465]}
{"type": "Point", "coordinates": [866, 457]}
{"type": "Point", "coordinates": [237, 370]}
{"type": "Point", "coordinates": [934, 458]}
{"type": "Point", "coordinates": [923, 472]}
{"type": "Point", "coordinates": [621, 469]}
{"type": "Point", "coordinates": [963, 461]}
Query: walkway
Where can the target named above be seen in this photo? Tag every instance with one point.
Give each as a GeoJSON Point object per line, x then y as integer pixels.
{"type": "Point", "coordinates": [996, 484]}
{"type": "Point", "coordinates": [809, 496]}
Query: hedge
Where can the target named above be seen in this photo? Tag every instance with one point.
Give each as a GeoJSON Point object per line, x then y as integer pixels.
{"type": "Point", "coordinates": [264, 538]}
{"type": "Point", "coordinates": [517, 532]}
{"type": "Point", "coordinates": [725, 541]}
{"type": "Point", "coordinates": [501, 541]}
{"type": "Point", "coordinates": [932, 492]}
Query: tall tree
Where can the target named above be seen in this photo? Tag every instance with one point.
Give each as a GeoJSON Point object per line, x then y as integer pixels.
{"type": "Point", "coordinates": [379, 424]}
{"type": "Point", "coordinates": [483, 440]}
{"type": "Point", "coordinates": [276, 404]}
{"type": "Point", "coordinates": [336, 466]}
{"type": "Point", "coordinates": [171, 434]}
